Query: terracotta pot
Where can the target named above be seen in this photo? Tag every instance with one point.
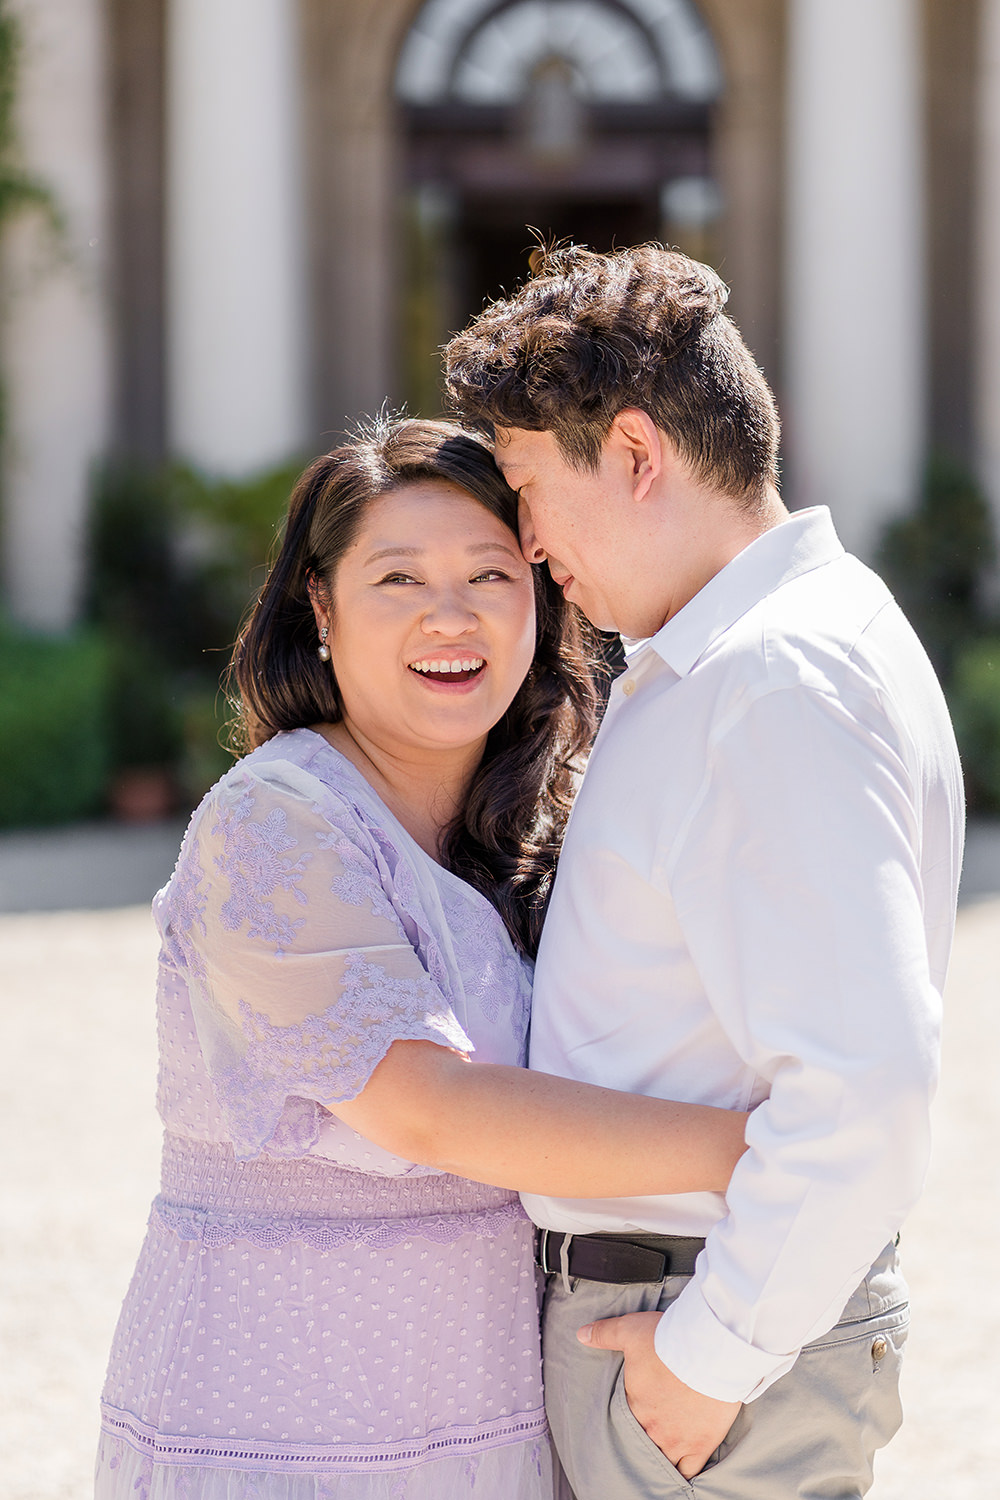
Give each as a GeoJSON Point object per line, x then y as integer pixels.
{"type": "Point", "coordinates": [143, 794]}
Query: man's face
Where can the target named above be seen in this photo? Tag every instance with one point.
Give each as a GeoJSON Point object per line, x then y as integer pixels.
{"type": "Point", "coordinates": [566, 516]}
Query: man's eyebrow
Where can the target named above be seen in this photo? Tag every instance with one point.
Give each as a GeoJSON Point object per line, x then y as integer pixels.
{"type": "Point", "coordinates": [475, 550]}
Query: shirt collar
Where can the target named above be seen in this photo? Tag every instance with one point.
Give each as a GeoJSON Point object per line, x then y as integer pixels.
{"type": "Point", "coordinates": [807, 540]}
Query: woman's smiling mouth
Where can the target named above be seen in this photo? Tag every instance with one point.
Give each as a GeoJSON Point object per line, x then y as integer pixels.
{"type": "Point", "coordinates": [450, 672]}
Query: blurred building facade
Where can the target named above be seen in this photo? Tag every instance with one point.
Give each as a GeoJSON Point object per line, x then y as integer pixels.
{"type": "Point", "coordinates": [275, 210]}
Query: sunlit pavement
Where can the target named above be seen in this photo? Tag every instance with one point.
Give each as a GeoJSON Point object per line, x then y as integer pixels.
{"type": "Point", "coordinates": [80, 1156]}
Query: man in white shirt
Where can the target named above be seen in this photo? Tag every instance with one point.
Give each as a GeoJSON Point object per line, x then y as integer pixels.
{"type": "Point", "coordinates": [754, 905]}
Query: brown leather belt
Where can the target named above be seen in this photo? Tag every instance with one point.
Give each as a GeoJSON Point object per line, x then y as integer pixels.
{"type": "Point", "coordinates": [604, 1257]}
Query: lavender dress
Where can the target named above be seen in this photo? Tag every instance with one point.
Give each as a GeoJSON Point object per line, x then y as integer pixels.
{"type": "Point", "coordinates": [311, 1317]}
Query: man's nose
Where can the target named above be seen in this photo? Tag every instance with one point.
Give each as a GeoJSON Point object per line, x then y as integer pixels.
{"type": "Point", "coordinates": [533, 553]}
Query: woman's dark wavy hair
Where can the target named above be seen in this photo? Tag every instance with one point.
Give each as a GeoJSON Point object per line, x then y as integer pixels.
{"type": "Point", "coordinates": [506, 841]}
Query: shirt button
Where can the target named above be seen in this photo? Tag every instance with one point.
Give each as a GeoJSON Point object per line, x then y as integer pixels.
{"type": "Point", "coordinates": [628, 688]}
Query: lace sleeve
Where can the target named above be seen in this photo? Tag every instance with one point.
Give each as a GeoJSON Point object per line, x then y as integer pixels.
{"type": "Point", "coordinates": [300, 971]}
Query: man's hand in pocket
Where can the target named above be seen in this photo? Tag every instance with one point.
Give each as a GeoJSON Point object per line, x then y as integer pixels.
{"type": "Point", "coordinates": [685, 1425]}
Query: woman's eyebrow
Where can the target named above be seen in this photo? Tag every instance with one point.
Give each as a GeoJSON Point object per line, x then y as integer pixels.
{"type": "Point", "coordinates": [393, 552]}
{"type": "Point", "coordinates": [495, 547]}
{"type": "Point", "coordinates": [474, 550]}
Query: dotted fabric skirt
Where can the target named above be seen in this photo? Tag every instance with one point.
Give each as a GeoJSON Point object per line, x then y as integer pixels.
{"type": "Point", "coordinates": [372, 1358]}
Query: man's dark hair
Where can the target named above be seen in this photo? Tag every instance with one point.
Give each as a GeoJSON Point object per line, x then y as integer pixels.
{"type": "Point", "coordinates": [590, 334]}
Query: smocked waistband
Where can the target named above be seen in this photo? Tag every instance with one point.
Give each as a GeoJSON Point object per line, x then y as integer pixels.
{"type": "Point", "coordinates": [206, 1176]}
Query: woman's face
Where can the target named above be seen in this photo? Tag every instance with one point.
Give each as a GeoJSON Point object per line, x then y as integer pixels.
{"type": "Point", "coordinates": [432, 629]}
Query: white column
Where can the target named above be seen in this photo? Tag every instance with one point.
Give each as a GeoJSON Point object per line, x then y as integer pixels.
{"type": "Point", "coordinates": [854, 374]}
{"type": "Point", "coordinates": [236, 373]}
{"type": "Point", "coordinates": [987, 274]}
{"type": "Point", "coordinates": [55, 335]}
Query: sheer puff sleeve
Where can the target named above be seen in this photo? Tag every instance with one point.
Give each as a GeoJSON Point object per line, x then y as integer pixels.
{"type": "Point", "coordinates": [300, 971]}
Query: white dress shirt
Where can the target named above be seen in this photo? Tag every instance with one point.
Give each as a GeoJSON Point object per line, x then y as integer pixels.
{"type": "Point", "coordinates": [755, 902]}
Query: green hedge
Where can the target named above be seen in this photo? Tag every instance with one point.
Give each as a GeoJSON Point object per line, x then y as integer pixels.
{"type": "Point", "coordinates": [174, 559]}
{"type": "Point", "coordinates": [974, 698]}
{"type": "Point", "coordinates": [54, 742]}
{"type": "Point", "coordinates": [938, 561]}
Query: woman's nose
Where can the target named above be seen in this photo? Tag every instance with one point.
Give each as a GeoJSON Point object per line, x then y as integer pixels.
{"type": "Point", "coordinates": [447, 613]}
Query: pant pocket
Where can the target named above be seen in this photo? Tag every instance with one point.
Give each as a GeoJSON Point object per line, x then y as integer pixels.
{"type": "Point", "coordinates": [651, 1468]}
{"type": "Point", "coordinates": [814, 1433]}
{"type": "Point", "coordinates": [862, 1361]}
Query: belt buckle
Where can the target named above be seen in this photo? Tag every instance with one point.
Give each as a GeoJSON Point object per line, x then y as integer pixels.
{"type": "Point", "coordinates": [562, 1269]}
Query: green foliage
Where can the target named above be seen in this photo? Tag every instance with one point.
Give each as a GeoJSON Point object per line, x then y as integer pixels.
{"type": "Point", "coordinates": [974, 698]}
{"type": "Point", "coordinates": [937, 562]}
{"type": "Point", "coordinates": [19, 190]}
{"type": "Point", "coordinates": [175, 559]}
{"type": "Point", "coordinates": [204, 734]}
{"type": "Point", "coordinates": [137, 597]}
{"type": "Point", "coordinates": [935, 559]}
{"type": "Point", "coordinates": [54, 749]}
{"type": "Point", "coordinates": [226, 531]}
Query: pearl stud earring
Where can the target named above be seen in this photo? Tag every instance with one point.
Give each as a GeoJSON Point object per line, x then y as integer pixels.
{"type": "Point", "coordinates": [323, 650]}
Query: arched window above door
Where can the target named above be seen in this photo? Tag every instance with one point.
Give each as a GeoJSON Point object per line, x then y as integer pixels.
{"type": "Point", "coordinates": [588, 120]}
{"type": "Point", "coordinates": [488, 52]}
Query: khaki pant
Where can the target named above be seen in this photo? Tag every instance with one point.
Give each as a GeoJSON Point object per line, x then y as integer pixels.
{"type": "Point", "coordinates": [811, 1436]}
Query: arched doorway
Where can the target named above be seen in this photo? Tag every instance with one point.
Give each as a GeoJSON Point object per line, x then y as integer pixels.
{"type": "Point", "coordinates": [589, 119]}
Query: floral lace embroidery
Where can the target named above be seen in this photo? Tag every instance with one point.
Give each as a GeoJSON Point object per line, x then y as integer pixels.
{"type": "Point", "coordinates": [337, 1051]}
{"type": "Point", "coordinates": [473, 922]}
{"type": "Point", "coordinates": [328, 1057]}
{"type": "Point", "coordinates": [410, 912]}
{"type": "Point", "coordinates": [297, 1130]}
{"type": "Point", "coordinates": [502, 981]}
{"type": "Point", "coordinates": [143, 1480]}
{"type": "Point", "coordinates": [355, 886]}
{"type": "Point", "coordinates": [187, 902]}
{"type": "Point", "coordinates": [252, 861]}
{"type": "Point", "coordinates": [477, 933]}
{"type": "Point", "coordinates": [538, 1452]}
{"type": "Point", "coordinates": [216, 1230]}
{"type": "Point", "coordinates": [187, 899]}
{"type": "Point", "coordinates": [186, 1483]}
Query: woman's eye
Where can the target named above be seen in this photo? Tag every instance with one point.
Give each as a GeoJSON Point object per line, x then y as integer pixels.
{"type": "Point", "coordinates": [397, 578]}
{"type": "Point", "coordinates": [491, 575]}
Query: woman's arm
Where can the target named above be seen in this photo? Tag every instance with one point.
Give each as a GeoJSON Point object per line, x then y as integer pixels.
{"type": "Point", "coordinates": [330, 982]}
{"type": "Point", "coordinates": [538, 1133]}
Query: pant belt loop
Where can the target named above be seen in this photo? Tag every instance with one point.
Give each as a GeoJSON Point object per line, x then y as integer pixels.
{"type": "Point", "coordinates": [564, 1262]}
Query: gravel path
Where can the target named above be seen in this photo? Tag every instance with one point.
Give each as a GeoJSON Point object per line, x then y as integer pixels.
{"type": "Point", "coordinates": [77, 1072]}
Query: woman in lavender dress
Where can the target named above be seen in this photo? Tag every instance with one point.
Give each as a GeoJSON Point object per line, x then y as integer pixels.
{"type": "Point", "coordinates": [313, 1316]}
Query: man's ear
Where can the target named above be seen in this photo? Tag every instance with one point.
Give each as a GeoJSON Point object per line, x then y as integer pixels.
{"type": "Point", "coordinates": [642, 440]}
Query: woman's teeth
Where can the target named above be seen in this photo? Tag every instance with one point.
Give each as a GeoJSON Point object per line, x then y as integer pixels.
{"type": "Point", "coordinates": [471, 664]}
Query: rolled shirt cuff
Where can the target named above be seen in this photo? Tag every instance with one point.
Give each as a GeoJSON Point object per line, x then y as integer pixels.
{"type": "Point", "coordinates": [709, 1357]}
